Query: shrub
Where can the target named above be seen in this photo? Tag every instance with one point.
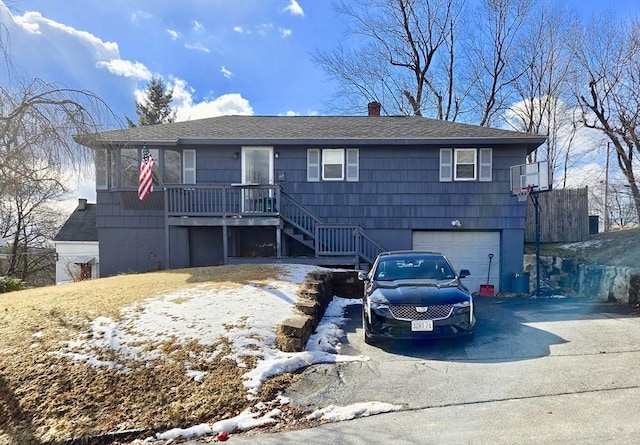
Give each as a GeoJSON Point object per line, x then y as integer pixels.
{"type": "Point", "coordinates": [10, 284]}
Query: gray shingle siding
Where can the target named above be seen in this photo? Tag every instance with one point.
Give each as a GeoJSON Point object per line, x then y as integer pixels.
{"type": "Point", "coordinates": [404, 191]}
{"type": "Point", "coordinates": [130, 240]}
{"type": "Point", "coordinates": [398, 191]}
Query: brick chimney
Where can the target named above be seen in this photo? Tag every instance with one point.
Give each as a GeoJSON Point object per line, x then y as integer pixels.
{"type": "Point", "coordinates": [82, 204]}
{"type": "Point", "coordinates": [374, 108]}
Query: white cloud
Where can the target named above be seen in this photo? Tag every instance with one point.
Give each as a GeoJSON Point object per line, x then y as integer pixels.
{"type": "Point", "coordinates": [126, 68]}
{"type": "Point", "coordinates": [285, 32]}
{"type": "Point", "coordinates": [226, 73]}
{"type": "Point", "coordinates": [140, 15]}
{"type": "Point", "coordinates": [173, 34]}
{"type": "Point", "coordinates": [197, 26]}
{"type": "Point", "coordinates": [241, 30]}
{"type": "Point", "coordinates": [29, 22]}
{"type": "Point", "coordinates": [227, 104]}
{"type": "Point", "coordinates": [35, 23]}
{"type": "Point", "coordinates": [197, 47]}
{"type": "Point", "coordinates": [294, 8]}
{"type": "Point", "coordinates": [265, 28]}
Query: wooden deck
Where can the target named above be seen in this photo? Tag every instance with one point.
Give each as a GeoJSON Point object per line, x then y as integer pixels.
{"type": "Point", "coordinates": [251, 205]}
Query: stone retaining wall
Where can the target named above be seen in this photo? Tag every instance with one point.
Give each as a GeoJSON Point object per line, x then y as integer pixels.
{"type": "Point", "coordinates": [568, 277]}
{"type": "Point", "coordinates": [314, 295]}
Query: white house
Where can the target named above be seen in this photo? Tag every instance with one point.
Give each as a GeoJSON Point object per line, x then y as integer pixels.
{"type": "Point", "coordinates": [77, 251]}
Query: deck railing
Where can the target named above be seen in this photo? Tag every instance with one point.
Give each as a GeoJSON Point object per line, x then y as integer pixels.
{"type": "Point", "coordinates": [222, 200]}
{"type": "Point", "coordinates": [299, 216]}
{"type": "Point", "coordinates": [270, 200]}
{"type": "Point", "coordinates": [346, 239]}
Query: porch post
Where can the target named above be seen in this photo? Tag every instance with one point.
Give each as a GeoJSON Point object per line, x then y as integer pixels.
{"type": "Point", "coordinates": [225, 244]}
{"type": "Point", "coordinates": [279, 241]}
{"type": "Point", "coordinates": [358, 245]}
{"type": "Point", "coordinates": [278, 204]}
{"type": "Point", "coordinates": [167, 256]}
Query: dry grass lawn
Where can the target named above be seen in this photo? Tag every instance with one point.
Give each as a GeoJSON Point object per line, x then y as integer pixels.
{"type": "Point", "coordinates": [46, 398]}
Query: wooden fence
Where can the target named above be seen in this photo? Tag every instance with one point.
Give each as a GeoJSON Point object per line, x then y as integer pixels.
{"type": "Point", "coordinates": [564, 216]}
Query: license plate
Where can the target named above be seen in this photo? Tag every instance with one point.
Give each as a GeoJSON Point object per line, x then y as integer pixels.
{"type": "Point", "coordinates": [422, 325]}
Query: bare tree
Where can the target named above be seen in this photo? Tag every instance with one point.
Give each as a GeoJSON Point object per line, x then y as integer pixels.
{"type": "Point", "coordinates": [621, 210]}
{"type": "Point", "coordinates": [402, 56]}
{"type": "Point", "coordinates": [493, 51]}
{"type": "Point", "coordinates": [38, 121]}
{"type": "Point", "coordinates": [416, 58]}
{"type": "Point", "coordinates": [542, 88]}
{"type": "Point", "coordinates": [607, 85]}
{"type": "Point", "coordinates": [28, 222]}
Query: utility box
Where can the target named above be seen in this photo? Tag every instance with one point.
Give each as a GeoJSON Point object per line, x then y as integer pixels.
{"type": "Point", "coordinates": [520, 283]}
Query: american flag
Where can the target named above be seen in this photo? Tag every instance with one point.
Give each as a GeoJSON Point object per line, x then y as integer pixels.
{"type": "Point", "coordinates": [145, 185]}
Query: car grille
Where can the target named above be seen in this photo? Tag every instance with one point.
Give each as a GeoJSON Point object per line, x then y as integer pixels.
{"type": "Point", "coordinates": [408, 312]}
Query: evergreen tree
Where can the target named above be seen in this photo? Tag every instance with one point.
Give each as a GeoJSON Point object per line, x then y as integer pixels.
{"type": "Point", "coordinates": [155, 109]}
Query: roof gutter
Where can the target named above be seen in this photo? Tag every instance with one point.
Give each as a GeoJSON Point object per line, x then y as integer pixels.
{"type": "Point", "coordinates": [531, 142]}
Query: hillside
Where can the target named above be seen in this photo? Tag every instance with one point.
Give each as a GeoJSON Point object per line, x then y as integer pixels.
{"type": "Point", "coordinates": [615, 248]}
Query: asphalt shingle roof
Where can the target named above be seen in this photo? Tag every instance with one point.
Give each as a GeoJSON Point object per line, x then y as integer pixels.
{"type": "Point", "coordinates": [81, 226]}
{"type": "Point", "coordinates": [297, 129]}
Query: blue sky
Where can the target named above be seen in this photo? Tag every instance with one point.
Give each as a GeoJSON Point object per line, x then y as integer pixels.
{"type": "Point", "coordinates": [221, 56]}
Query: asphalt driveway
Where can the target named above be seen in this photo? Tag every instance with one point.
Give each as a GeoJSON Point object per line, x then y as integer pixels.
{"type": "Point", "coordinates": [537, 371]}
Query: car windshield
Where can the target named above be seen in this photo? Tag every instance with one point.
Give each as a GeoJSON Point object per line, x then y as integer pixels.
{"type": "Point", "coordinates": [413, 267]}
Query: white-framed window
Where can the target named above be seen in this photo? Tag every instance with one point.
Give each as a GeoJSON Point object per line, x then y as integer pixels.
{"type": "Point", "coordinates": [333, 164]}
{"type": "Point", "coordinates": [466, 164]}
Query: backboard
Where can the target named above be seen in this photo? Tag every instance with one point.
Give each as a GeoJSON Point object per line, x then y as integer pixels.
{"type": "Point", "coordinates": [533, 177]}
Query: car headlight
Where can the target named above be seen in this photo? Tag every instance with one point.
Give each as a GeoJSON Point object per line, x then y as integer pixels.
{"type": "Point", "coordinates": [375, 306]}
{"type": "Point", "coordinates": [463, 306]}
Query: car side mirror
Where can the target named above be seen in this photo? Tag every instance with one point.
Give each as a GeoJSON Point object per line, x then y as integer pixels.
{"type": "Point", "coordinates": [362, 276]}
{"type": "Point", "coordinates": [464, 273]}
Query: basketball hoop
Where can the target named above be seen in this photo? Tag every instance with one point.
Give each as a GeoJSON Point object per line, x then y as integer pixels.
{"type": "Point", "coordinates": [522, 193]}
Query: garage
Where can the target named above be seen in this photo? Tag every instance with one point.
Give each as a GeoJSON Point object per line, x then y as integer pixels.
{"type": "Point", "coordinates": [465, 250]}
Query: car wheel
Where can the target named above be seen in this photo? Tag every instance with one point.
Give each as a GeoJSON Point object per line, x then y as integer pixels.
{"type": "Point", "coordinates": [365, 330]}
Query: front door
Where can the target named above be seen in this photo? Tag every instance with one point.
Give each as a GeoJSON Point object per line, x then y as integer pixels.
{"type": "Point", "coordinates": [257, 169]}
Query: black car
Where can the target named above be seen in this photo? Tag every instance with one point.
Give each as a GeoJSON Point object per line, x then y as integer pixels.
{"type": "Point", "coordinates": [414, 295]}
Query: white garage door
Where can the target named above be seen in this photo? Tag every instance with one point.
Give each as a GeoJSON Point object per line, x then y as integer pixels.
{"type": "Point", "coordinates": [465, 250]}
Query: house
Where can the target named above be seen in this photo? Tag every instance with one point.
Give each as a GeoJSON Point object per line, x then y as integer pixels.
{"type": "Point", "coordinates": [77, 250]}
{"type": "Point", "coordinates": [329, 190]}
